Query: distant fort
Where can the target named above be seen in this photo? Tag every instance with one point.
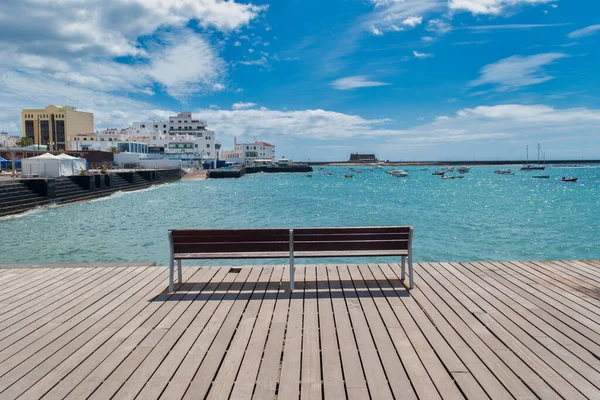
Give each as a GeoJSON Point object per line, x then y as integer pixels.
{"type": "Point", "coordinates": [362, 158]}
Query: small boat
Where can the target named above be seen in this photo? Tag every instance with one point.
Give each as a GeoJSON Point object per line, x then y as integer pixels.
{"type": "Point", "coordinates": [503, 172]}
{"type": "Point", "coordinates": [568, 179]}
{"type": "Point", "coordinates": [449, 169]}
{"type": "Point", "coordinates": [453, 176]}
{"type": "Point", "coordinates": [399, 173]}
{"type": "Point", "coordinates": [438, 173]}
{"type": "Point", "coordinates": [309, 175]}
{"type": "Point", "coordinates": [530, 167]}
{"type": "Point", "coordinates": [463, 170]}
{"type": "Point", "coordinates": [541, 176]}
{"type": "Point", "coordinates": [348, 176]}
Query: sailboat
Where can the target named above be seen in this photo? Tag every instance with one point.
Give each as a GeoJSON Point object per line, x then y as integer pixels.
{"type": "Point", "coordinates": [530, 167]}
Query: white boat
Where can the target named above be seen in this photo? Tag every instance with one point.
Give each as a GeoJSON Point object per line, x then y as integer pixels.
{"type": "Point", "coordinates": [449, 169]}
{"type": "Point", "coordinates": [400, 173]}
{"type": "Point", "coordinates": [463, 170]}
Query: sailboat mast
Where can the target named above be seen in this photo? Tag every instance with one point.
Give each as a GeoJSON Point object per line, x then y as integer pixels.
{"type": "Point", "coordinates": [527, 156]}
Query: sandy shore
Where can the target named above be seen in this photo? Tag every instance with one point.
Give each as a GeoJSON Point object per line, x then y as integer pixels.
{"type": "Point", "coordinates": [195, 174]}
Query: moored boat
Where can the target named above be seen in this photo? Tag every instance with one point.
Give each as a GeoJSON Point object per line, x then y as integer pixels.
{"type": "Point", "coordinates": [438, 172]}
{"type": "Point", "coordinates": [568, 179]}
{"type": "Point", "coordinates": [503, 172]}
{"type": "Point", "coordinates": [541, 176]}
{"type": "Point", "coordinates": [463, 170]}
{"type": "Point", "coordinates": [348, 176]}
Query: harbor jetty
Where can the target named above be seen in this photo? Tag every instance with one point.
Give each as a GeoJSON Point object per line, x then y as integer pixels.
{"type": "Point", "coordinates": [17, 196]}
{"type": "Point", "coordinates": [468, 330]}
{"type": "Point", "coordinates": [238, 172]}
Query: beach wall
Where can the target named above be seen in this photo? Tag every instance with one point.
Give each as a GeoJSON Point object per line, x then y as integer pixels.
{"type": "Point", "coordinates": [25, 194]}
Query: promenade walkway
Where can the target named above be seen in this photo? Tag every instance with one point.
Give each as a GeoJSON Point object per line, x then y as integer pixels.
{"type": "Point", "coordinates": [493, 330]}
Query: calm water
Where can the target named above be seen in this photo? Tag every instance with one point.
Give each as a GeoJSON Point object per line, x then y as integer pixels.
{"type": "Point", "coordinates": [481, 217]}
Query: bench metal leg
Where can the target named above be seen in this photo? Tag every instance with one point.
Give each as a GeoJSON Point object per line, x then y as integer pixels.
{"type": "Point", "coordinates": [410, 271]}
{"type": "Point", "coordinates": [403, 273]}
{"type": "Point", "coordinates": [291, 260]}
{"type": "Point", "coordinates": [179, 272]}
{"type": "Point", "coordinates": [171, 273]}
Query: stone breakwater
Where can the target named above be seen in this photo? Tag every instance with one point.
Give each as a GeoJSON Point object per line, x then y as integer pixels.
{"type": "Point", "coordinates": [25, 194]}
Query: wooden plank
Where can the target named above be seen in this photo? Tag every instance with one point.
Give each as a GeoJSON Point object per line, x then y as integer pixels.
{"type": "Point", "coordinates": [538, 327]}
{"type": "Point", "coordinates": [247, 375]}
{"type": "Point", "coordinates": [372, 365]}
{"type": "Point", "coordinates": [27, 284]}
{"type": "Point", "coordinates": [505, 383]}
{"type": "Point", "coordinates": [163, 361]}
{"type": "Point", "coordinates": [530, 374]}
{"type": "Point", "coordinates": [113, 351]}
{"type": "Point", "coordinates": [289, 382]}
{"type": "Point", "coordinates": [268, 373]}
{"type": "Point", "coordinates": [425, 371]}
{"type": "Point", "coordinates": [578, 332]}
{"type": "Point", "coordinates": [11, 318]}
{"type": "Point", "coordinates": [354, 377]}
{"type": "Point", "coordinates": [573, 311]}
{"type": "Point", "coordinates": [300, 246]}
{"type": "Point", "coordinates": [333, 380]}
{"type": "Point", "coordinates": [32, 277]}
{"type": "Point", "coordinates": [427, 340]}
{"type": "Point", "coordinates": [226, 376]}
{"type": "Point", "coordinates": [142, 362]}
{"type": "Point", "coordinates": [310, 382]}
{"type": "Point", "coordinates": [28, 373]}
{"type": "Point", "coordinates": [44, 312]}
{"type": "Point", "coordinates": [346, 236]}
{"type": "Point", "coordinates": [201, 384]}
{"type": "Point", "coordinates": [56, 333]}
{"type": "Point", "coordinates": [549, 366]}
{"type": "Point", "coordinates": [297, 254]}
{"type": "Point", "coordinates": [393, 366]}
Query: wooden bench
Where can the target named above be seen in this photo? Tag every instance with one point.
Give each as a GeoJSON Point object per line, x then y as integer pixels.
{"type": "Point", "coordinates": [203, 244]}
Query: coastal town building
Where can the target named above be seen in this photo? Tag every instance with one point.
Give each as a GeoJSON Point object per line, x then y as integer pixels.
{"type": "Point", "coordinates": [249, 153]}
{"type": "Point", "coordinates": [7, 140]}
{"type": "Point", "coordinates": [56, 126]}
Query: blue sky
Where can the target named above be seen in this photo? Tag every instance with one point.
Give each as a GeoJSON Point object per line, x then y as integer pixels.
{"type": "Point", "coordinates": [405, 79]}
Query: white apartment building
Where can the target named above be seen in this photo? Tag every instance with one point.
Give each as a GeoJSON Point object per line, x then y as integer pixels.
{"type": "Point", "coordinates": [247, 153]}
{"type": "Point", "coordinates": [7, 140]}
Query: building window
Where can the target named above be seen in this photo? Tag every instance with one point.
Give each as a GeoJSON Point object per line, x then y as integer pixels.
{"type": "Point", "coordinates": [208, 146]}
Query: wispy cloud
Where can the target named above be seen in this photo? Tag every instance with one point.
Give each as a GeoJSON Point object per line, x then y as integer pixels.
{"type": "Point", "coordinates": [587, 31]}
{"type": "Point", "coordinates": [422, 55]}
{"type": "Point", "coordinates": [241, 105]}
{"type": "Point", "coordinates": [412, 21]}
{"type": "Point", "coordinates": [511, 26]}
{"type": "Point", "coordinates": [354, 82]}
{"type": "Point", "coordinates": [517, 71]}
{"type": "Point", "coordinates": [490, 7]}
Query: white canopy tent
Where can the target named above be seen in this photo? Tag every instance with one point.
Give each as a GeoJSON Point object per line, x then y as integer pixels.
{"type": "Point", "coordinates": [51, 166]}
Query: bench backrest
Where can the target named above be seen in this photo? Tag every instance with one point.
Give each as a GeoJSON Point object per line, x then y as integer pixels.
{"type": "Point", "coordinates": [304, 239]}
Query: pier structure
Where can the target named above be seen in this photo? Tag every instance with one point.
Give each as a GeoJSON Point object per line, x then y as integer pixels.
{"type": "Point", "coordinates": [468, 330]}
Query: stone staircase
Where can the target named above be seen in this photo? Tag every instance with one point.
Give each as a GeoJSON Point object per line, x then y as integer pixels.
{"type": "Point", "coordinates": [15, 197]}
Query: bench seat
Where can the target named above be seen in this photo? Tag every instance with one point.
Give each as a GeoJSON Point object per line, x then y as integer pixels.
{"type": "Point", "coordinates": [286, 254]}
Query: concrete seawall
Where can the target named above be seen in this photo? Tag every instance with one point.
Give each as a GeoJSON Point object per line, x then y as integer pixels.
{"type": "Point", "coordinates": [25, 194]}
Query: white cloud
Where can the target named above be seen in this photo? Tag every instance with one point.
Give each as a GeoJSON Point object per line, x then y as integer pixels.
{"type": "Point", "coordinates": [421, 55]}
{"type": "Point", "coordinates": [511, 26]}
{"type": "Point", "coordinates": [376, 31]}
{"type": "Point", "coordinates": [413, 21]}
{"type": "Point", "coordinates": [439, 26]}
{"type": "Point", "coordinates": [388, 15]}
{"type": "Point", "coordinates": [241, 105]}
{"type": "Point", "coordinates": [237, 43]}
{"type": "Point", "coordinates": [354, 82]}
{"type": "Point", "coordinates": [188, 66]}
{"type": "Point", "coordinates": [517, 71]}
{"type": "Point", "coordinates": [492, 7]}
{"type": "Point", "coordinates": [587, 31]}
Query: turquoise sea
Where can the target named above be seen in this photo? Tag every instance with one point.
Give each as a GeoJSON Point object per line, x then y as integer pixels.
{"type": "Point", "coordinates": [481, 217]}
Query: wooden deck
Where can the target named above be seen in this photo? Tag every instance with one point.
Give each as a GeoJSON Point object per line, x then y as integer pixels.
{"type": "Point", "coordinates": [510, 330]}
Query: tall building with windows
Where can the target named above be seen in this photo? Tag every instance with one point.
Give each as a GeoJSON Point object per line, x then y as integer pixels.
{"type": "Point", "coordinates": [56, 126]}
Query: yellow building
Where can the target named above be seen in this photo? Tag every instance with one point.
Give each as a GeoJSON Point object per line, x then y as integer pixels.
{"type": "Point", "coordinates": [56, 126]}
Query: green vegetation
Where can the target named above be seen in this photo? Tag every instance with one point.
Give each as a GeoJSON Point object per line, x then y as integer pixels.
{"type": "Point", "coordinates": [24, 142]}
